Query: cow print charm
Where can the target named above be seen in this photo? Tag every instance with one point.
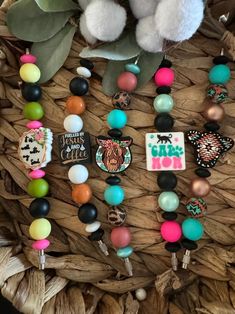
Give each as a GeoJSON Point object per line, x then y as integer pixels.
{"type": "Point", "coordinates": [113, 155]}
{"type": "Point", "coordinates": [116, 216]}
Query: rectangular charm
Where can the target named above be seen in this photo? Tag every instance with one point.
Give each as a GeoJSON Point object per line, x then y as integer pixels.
{"type": "Point", "coordinates": [165, 151]}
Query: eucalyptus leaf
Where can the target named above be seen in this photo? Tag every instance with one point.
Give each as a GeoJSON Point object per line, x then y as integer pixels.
{"type": "Point", "coordinates": [122, 49]}
{"type": "Point", "coordinates": [28, 22]}
{"type": "Point", "coordinates": [57, 5]}
{"type": "Point", "coordinates": [51, 54]}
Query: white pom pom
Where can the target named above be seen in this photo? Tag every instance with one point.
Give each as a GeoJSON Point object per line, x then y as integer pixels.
{"type": "Point", "coordinates": [178, 20]}
{"type": "Point", "coordinates": [85, 32]}
{"type": "Point", "coordinates": [143, 8]}
{"type": "Point", "coordinates": [84, 3]}
{"type": "Point", "coordinates": [146, 35]}
{"type": "Point", "coordinates": [105, 20]}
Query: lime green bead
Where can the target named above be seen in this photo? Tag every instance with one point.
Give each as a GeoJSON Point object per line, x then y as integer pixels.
{"type": "Point", "coordinates": [163, 103]}
{"type": "Point", "coordinates": [38, 188]}
{"type": "Point", "coordinates": [219, 74]}
{"type": "Point", "coordinates": [40, 229]}
{"type": "Point", "coordinates": [192, 229]}
{"type": "Point", "coordinates": [33, 111]}
{"type": "Point", "coordinates": [30, 73]}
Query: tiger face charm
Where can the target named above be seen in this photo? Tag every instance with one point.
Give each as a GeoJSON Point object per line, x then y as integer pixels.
{"type": "Point", "coordinates": [113, 155]}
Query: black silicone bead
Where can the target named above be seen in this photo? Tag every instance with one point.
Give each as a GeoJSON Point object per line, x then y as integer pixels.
{"type": "Point", "coordinates": [31, 92]}
{"type": "Point", "coordinates": [167, 180]}
{"type": "Point", "coordinates": [163, 90]}
{"type": "Point", "coordinates": [189, 245]}
{"type": "Point", "coordinates": [164, 122]}
{"type": "Point", "coordinates": [203, 172]}
{"type": "Point", "coordinates": [40, 207]}
{"type": "Point", "coordinates": [79, 86]}
{"type": "Point", "coordinates": [113, 180]}
{"type": "Point", "coordinates": [87, 213]}
{"type": "Point", "coordinates": [212, 126]}
{"type": "Point", "coordinates": [220, 60]}
{"type": "Point", "coordinates": [87, 64]}
{"type": "Point", "coordinates": [172, 247]}
{"type": "Point", "coordinates": [116, 133]}
{"type": "Point", "coordinates": [169, 216]}
{"type": "Point", "coordinates": [97, 235]}
{"type": "Point", "coordinates": [165, 64]}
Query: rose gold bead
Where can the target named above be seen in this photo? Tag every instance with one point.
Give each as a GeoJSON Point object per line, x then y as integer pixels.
{"type": "Point", "coordinates": [214, 112]}
{"type": "Point", "coordinates": [200, 187]}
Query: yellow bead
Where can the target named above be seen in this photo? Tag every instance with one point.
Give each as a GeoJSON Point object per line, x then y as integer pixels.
{"type": "Point", "coordinates": [30, 73]}
{"type": "Point", "coordinates": [40, 229]}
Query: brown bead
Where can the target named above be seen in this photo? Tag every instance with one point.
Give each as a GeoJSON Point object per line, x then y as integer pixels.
{"type": "Point", "coordinates": [75, 105]}
{"type": "Point", "coordinates": [214, 112]}
{"type": "Point", "coordinates": [81, 193]}
{"type": "Point", "coordinates": [200, 187]}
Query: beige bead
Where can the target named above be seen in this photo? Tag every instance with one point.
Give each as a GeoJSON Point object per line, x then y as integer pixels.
{"type": "Point", "coordinates": [141, 294]}
{"type": "Point", "coordinates": [214, 112]}
{"type": "Point", "coordinates": [200, 187]}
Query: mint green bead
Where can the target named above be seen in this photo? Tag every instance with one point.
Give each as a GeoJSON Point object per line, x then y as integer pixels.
{"type": "Point", "coordinates": [117, 119]}
{"type": "Point", "coordinates": [125, 252]}
{"type": "Point", "coordinates": [114, 195]}
{"type": "Point", "coordinates": [132, 67]}
{"type": "Point", "coordinates": [168, 201]}
{"type": "Point", "coordinates": [219, 74]}
{"type": "Point", "coordinates": [163, 103]}
{"type": "Point", "coordinates": [192, 229]}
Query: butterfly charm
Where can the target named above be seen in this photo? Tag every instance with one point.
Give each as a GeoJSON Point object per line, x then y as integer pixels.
{"type": "Point", "coordinates": [209, 146]}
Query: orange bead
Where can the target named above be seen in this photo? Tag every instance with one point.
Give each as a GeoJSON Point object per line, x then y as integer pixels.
{"type": "Point", "coordinates": [75, 105]}
{"type": "Point", "coordinates": [81, 193]}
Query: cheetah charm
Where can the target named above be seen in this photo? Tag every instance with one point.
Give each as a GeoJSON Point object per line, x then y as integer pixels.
{"type": "Point", "coordinates": [116, 216]}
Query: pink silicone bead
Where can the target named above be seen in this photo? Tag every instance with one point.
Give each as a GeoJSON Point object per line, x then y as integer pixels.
{"type": "Point", "coordinates": [127, 81]}
{"type": "Point", "coordinates": [164, 77]}
{"type": "Point", "coordinates": [40, 244]}
{"type": "Point", "coordinates": [37, 174]}
{"type": "Point", "coordinates": [120, 237]}
{"type": "Point", "coordinates": [28, 58]}
{"type": "Point", "coordinates": [171, 231]}
{"type": "Point", "coordinates": [34, 124]}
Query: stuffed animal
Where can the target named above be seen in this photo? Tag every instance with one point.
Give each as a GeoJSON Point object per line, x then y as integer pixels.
{"type": "Point", "coordinates": [174, 20]}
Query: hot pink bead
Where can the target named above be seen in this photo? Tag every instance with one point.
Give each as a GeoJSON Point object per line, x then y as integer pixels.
{"type": "Point", "coordinates": [28, 58]}
{"type": "Point", "coordinates": [40, 244]}
{"type": "Point", "coordinates": [171, 231]}
{"type": "Point", "coordinates": [37, 174]}
{"type": "Point", "coordinates": [164, 77]}
{"type": "Point", "coordinates": [34, 124]}
{"type": "Point", "coordinates": [120, 237]}
{"type": "Point", "coordinates": [127, 81]}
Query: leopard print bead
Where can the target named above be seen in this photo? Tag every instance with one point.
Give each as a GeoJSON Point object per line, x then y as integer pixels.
{"type": "Point", "coordinates": [121, 100]}
{"type": "Point", "coordinates": [116, 216]}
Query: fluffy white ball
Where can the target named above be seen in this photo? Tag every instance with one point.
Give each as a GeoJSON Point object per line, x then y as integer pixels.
{"type": "Point", "coordinates": [85, 32]}
{"type": "Point", "coordinates": [146, 35]}
{"type": "Point", "coordinates": [105, 19]}
{"type": "Point", "coordinates": [142, 8]}
{"type": "Point", "coordinates": [178, 20]}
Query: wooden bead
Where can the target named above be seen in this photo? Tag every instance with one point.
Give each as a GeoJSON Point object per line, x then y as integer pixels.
{"type": "Point", "coordinates": [75, 105]}
{"type": "Point", "coordinates": [200, 187]}
{"type": "Point", "coordinates": [81, 193]}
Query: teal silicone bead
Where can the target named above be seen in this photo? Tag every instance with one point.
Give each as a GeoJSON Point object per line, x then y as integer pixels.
{"type": "Point", "coordinates": [168, 201]}
{"type": "Point", "coordinates": [114, 195]}
{"type": "Point", "coordinates": [219, 74]}
{"type": "Point", "coordinates": [131, 67]}
{"type": "Point", "coordinates": [117, 119]}
{"type": "Point", "coordinates": [163, 103]}
{"type": "Point", "coordinates": [125, 252]}
{"type": "Point", "coordinates": [192, 229]}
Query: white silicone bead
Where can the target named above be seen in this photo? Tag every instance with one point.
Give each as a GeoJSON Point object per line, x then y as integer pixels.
{"type": "Point", "coordinates": [73, 123]}
{"type": "Point", "coordinates": [83, 72]}
{"type": "Point", "coordinates": [78, 174]}
{"type": "Point", "coordinates": [93, 227]}
{"type": "Point", "coordinates": [141, 294]}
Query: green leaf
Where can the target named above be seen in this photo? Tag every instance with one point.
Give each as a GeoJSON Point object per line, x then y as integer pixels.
{"type": "Point", "coordinates": [28, 22]}
{"type": "Point", "coordinates": [51, 54]}
{"type": "Point", "coordinates": [122, 49]}
{"type": "Point", "coordinates": [148, 63]}
{"type": "Point", "coordinates": [56, 5]}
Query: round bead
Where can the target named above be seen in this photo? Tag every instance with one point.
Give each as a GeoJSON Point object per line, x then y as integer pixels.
{"type": "Point", "coordinates": [34, 124]}
{"type": "Point", "coordinates": [140, 294]}
{"type": "Point", "coordinates": [214, 112]}
{"type": "Point", "coordinates": [163, 90]}
{"type": "Point", "coordinates": [164, 122]}
{"type": "Point", "coordinates": [40, 229]}
{"type": "Point", "coordinates": [202, 172]}
{"type": "Point", "coordinates": [169, 216]}
{"type": "Point", "coordinates": [113, 180]}
{"type": "Point", "coordinates": [212, 126]}
{"type": "Point", "coordinates": [78, 174]}
{"type": "Point", "coordinates": [168, 201]}
{"type": "Point", "coordinates": [133, 68]}
{"type": "Point", "coordinates": [200, 187]}
{"type": "Point", "coordinates": [121, 100]}
{"type": "Point", "coordinates": [164, 77]}
{"type": "Point", "coordinates": [120, 237]}
{"type": "Point", "coordinates": [217, 93]}
{"type": "Point", "coordinates": [163, 103]}
{"type": "Point", "coordinates": [127, 81]}
{"type": "Point", "coordinates": [172, 247]}
{"type": "Point", "coordinates": [38, 188]}
{"type": "Point", "coordinates": [124, 252]}
{"type": "Point", "coordinates": [114, 195]}
{"type": "Point", "coordinates": [83, 72]}
{"type": "Point", "coordinates": [28, 58]}
{"type": "Point", "coordinates": [39, 208]}
{"type": "Point", "coordinates": [87, 64]}
{"type": "Point", "coordinates": [116, 133]}
{"type": "Point", "coordinates": [171, 231]}
{"type": "Point", "coordinates": [37, 174]}
{"type": "Point", "coordinates": [81, 193]}
{"type": "Point", "coordinates": [93, 226]}
{"type": "Point", "coordinates": [165, 64]}
{"type": "Point", "coordinates": [196, 207]}
{"type": "Point", "coordinates": [192, 229]}
{"type": "Point", "coordinates": [97, 235]}
{"type": "Point", "coordinates": [75, 105]}
{"type": "Point", "coordinates": [79, 86]}
{"type": "Point", "coordinates": [219, 74]}
{"type": "Point", "coordinates": [30, 73]}
{"type": "Point", "coordinates": [33, 111]}
{"type": "Point", "coordinates": [73, 123]}
{"type": "Point", "coordinates": [31, 92]}
{"type": "Point", "coordinates": [117, 119]}
{"type": "Point", "coordinates": [116, 216]}
{"type": "Point", "coordinates": [87, 213]}
{"type": "Point", "coordinates": [189, 245]}
{"type": "Point", "coordinates": [220, 60]}
{"type": "Point", "coordinates": [40, 244]}
{"type": "Point", "coordinates": [167, 180]}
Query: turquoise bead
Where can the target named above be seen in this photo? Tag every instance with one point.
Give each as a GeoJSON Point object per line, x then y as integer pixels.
{"type": "Point", "coordinates": [163, 103]}
{"type": "Point", "coordinates": [168, 201]}
{"type": "Point", "coordinates": [125, 252]}
{"type": "Point", "coordinates": [219, 74]}
{"type": "Point", "coordinates": [192, 229]}
{"type": "Point", "coordinates": [132, 67]}
{"type": "Point", "coordinates": [114, 195]}
{"type": "Point", "coordinates": [117, 119]}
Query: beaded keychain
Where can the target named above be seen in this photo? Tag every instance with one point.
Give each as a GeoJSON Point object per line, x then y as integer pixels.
{"type": "Point", "coordinates": [75, 150]}
{"type": "Point", "coordinates": [209, 146]}
{"type": "Point", "coordinates": [35, 147]}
